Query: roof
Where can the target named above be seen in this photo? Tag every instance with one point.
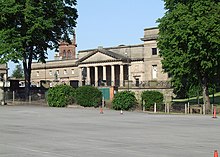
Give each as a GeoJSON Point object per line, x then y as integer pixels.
{"type": "Point", "coordinates": [103, 51]}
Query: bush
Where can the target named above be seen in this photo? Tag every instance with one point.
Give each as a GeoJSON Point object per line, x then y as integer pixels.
{"type": "Point", "coordinates": [88, 96]}
{"type": "Point", "coordinates": [60, 96]}
{"type": "Point", "coordinates": [124, 100]}
{"type": "Point", "coordinates": [151, 97]}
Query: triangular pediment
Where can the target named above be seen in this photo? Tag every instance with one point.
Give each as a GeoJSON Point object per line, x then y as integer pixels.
{"type": "Point", "coordinates": [98, 56]}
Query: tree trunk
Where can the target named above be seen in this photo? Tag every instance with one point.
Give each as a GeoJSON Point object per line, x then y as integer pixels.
{"type": "Point", "coordinates": [205, 93]}
{"type": "Point", "coordinates": [27, 74]}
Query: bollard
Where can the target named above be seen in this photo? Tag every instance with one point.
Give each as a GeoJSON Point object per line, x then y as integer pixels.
{"type": "Point", "coordinates": [101, 110]}
{"type": "Point", "coordinates": [155, 107]}
{"type": "Point", "coordinates": [215, 153]}
{"type": "Point", "coordinates": [165, 108]}
{"type": "Point", "coordinates": [188, 108]}
{"type": "Point", "coordinates": [13, 97]}
{"type": "Point", "coordinates": [214, 112]}
{"type": "Point", "coordinates": [143, 106]}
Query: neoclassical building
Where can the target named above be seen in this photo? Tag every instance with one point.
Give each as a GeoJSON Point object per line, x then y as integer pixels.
{"type": "Point", "coordinates": [123, 66]}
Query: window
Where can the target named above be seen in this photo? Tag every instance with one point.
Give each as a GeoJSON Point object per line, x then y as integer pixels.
{"type": "Point", "coordinates": [37, 73]}
{"type": "Point", "coordinates": [50, 72]}
{"type": "Point", "coordinates": [64, 53]}
{"type": "Point", "coordinates": [57, 72]}
{"type": "Point", "coordinates": [69, 54]}
{"type": "Point", "coordinates": [137, 82]}
{"type": "Point", "coordinates": [154, 51]}
{"type": "Point", "coordinates": [154, 71]}
{"type": "Point", "coordinates": [64, 71]}
{"type": "Point", "coordinates": [72, 71]}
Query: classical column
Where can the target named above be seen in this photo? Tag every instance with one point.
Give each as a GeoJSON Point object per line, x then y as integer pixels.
{"type": "Point", "coordinates": [121, 75]}
{"type": "Point", "coordinates": [96, 76]}
{"type": "Point", "coordinates": [88, 79]}
{"type": "Point", "coordinates": [113, 75]}
{"type": "Point", "coordinates": [129, 72]}
{"type": "Point", "coordinates": [104, 72]}
{"type": "Point", "coordinates": [80, 76]}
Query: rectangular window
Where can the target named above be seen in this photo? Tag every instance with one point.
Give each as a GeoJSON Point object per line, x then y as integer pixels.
{"type": "Point", "coordinates": [154, 71]}
{"type": "Point", "coordinates": [37, 73]}
{"type": "Point", "coordinates": [50, 72]}
{"type": "Point", "coordinates": [64, 71]}
{"type": "Point", "coordinates": [73, 71]}
{"type": "Point", "coordinates": [154, 51]}
{"type": "Point", "coordinates": [57, 72]}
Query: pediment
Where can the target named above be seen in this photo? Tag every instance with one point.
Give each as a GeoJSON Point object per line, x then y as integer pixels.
{"type": "Point", "coordinates": [101, 55]}
{"type": "Point", "coordinates": [97, 57]}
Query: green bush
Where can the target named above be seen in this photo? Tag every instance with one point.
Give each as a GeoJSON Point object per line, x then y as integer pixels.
{"type": "Point", "coordinates": [124, 100]}
{"type": "Point", "coordinates": [88, 96]}
{"type": "Point", "coordinates": [151, 97]}
{"type": "Point", "coordinates": [60, 96]}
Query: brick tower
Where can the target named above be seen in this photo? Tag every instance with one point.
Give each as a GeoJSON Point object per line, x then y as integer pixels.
{"type": "Point", "coordinates": [66, 50]}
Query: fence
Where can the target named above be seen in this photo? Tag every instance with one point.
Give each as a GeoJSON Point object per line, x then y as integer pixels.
{"type": "Point", "coordinates": [181, 108]}
{"type": "Point", "coordinates": [37, 95]}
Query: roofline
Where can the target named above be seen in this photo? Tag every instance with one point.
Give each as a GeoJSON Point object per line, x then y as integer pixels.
{"type": "Point", "coordinates": [115, 47]}
{"type": "Point", "coordinates": [151, 28]}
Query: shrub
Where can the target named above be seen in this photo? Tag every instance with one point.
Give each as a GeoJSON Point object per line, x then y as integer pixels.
{"type": "Point", "coordinates": [151, 97]}
{"type": "Point", "coordinates": [124, 100]}
{"type": "Point", "coordinates": [60, 96]}
{"type": "Point", "coordinates": [88, 96]}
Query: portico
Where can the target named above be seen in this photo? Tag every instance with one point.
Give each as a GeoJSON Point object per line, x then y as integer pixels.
{"type": "Point", "coordinates": [103, 68]}
{"type": "Point", "coordinates": [98, 74]}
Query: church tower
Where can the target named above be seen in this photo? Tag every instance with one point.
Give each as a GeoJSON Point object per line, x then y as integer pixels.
{"type": "Point", "coordinates": [66, 50]}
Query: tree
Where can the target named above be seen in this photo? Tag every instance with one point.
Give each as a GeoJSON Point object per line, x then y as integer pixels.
{"type": "Point", "coordinates": [29, 27]}
{"type": "Point", "coordinates": [18, 72]}
{"type": "Point", "coordinates": [189, 43]}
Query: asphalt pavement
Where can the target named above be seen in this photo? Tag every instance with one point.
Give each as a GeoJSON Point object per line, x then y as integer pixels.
{"type": "Point", "coordinates": [36, 131]}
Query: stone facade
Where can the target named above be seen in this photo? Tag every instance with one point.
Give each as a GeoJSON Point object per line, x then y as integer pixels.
{"type": "Point", "coordinates": [123, 66]}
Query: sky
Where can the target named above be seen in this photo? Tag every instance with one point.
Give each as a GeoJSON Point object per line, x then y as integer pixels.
{"type": "Point", "coordinates": [110, 23]}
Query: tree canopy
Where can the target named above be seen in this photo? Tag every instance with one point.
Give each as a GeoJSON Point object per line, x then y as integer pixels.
{"type": "Point", "coordinates": [18, 72]}
{"type": "Point", "coordinates": [29, 27]}
{"type": "Point", "coordinates": [189, 43]}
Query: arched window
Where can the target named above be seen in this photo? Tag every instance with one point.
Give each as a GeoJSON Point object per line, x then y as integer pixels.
{"type": "Point", "coordinates": [64, 53]}
{"type": "Point", "coordinates": [69, 54]}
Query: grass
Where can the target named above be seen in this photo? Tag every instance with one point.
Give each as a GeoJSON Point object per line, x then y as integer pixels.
{"type": "Point", "coordinates": [194, 99]}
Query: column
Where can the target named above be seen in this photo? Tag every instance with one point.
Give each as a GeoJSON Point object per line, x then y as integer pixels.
{"type": "Point", "coordinates": [129, 73]}
{"type": "Point", "coordinates": [121, 75]}
{"type": "Point", "coordinates": [104, 72]}
{"type": "Point", "coordinates": [88, 80]}
{"type": "Point", "coordinates": [80, 76]}
{"type": "Point", "coordinates": [113, 75]}
{"type": "Point", "coordinates": [96, 76]}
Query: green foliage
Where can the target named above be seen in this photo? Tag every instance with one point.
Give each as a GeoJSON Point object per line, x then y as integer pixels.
{"type": "Point", "coordinates": [29, 28]}
{"type": "Point", "coordinates": [189, 43]}
{"type": "Point", "coordinates": [124, 100]}
{"type": "Point", "coordinates": [151, 97]}
{"type": "Point", "coordinates": [88, 96]}
{"type": "Point", "coordinates": [60, 96]}
{"type": "Point", "coordinates": [18, 72]}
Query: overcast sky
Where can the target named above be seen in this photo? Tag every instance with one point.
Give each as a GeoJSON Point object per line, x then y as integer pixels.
{"type": "Point", "coordinates": [113, 22]}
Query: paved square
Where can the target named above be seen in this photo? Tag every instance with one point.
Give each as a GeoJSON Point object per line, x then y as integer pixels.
{"type": "Point", "coordinates": [31, 131]}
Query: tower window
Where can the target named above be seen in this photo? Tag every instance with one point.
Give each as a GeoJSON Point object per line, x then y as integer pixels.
{"type": "Point", "coordinates": [69, 54]}
{"type": "Point", "coordinates": [64, 53]}
{"type": "Point", "coordinates": [154, 51]}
